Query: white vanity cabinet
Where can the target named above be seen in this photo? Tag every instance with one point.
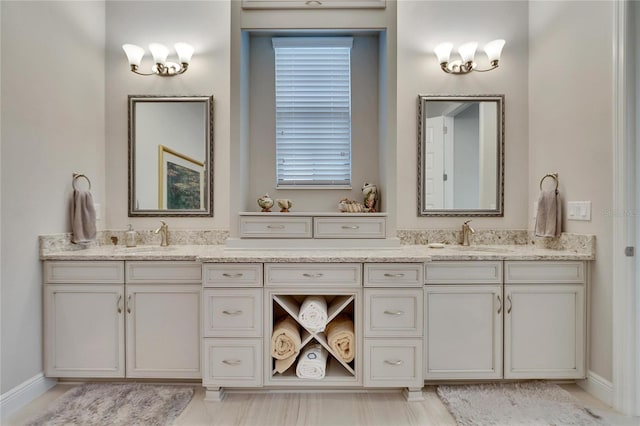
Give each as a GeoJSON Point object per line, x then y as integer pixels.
{"type": "Point", "coordinates": [393, 326]}
{"type": "Point", "coordinates": [463, 307]}
{"type": "Point", "coordinates": [232, 325]}
{"type": "Point", "coordinates": [544, 320]}
{"type": "Point", "coordinates": [84, 319]}
{"type": "Point", "coordinates": [88, 305]}
{"type": "Point", "coordinates": [163, 319]}
{"type": "Point", "coordinates": [540, 303]}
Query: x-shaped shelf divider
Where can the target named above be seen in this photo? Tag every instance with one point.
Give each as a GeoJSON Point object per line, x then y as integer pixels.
{"type": "Point", "coordinates": [338, 304]}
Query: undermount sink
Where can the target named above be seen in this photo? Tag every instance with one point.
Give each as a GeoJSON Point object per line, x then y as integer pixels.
{"type": "Point", "coordinates": [480, 249]}
{"type": "Point", "coordinates": [144, 249]}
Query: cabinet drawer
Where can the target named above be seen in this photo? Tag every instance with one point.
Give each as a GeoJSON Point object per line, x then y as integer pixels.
{"type": "Point", "coordinates": [275, 227]}
{"type": "Point", "coordinates": [302, 4]}
{"type": "Point", "coordinates": [232, 313]}
{"type": "Point", "coordinates": [393, 363]}
{"type": "Point", "coordinates": [163, 272]}
{"type": "Point", "coordinates": [232, 275]}
{"type": "Point", "coordinates": [393, 313]}
{"type": "Point", "coordinates": [467, 272]}
{"type": "Point", "coordinates": [83, 272]}
{"type": "Point", "coordinates": [232, 362]}
{"type": "Point", "coordinates": [393, 275]}
{"type": "Point", "coordinates": [313, 274]}
{"type": "Point", "coordinates": [349, 227]}
{"type": "Point", "coordinates": [536, 272]}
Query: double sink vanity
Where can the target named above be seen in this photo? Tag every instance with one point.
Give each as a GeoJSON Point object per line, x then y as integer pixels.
{"type": "Point", "coordinates": [207, 312]}
{"type": "Point", "coordinates": [204, 308]}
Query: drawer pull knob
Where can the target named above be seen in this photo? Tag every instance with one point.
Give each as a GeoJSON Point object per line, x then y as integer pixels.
{"type": "Point", "coordinates": [238, 275]}
{"type": "Point", "coordinates": [232, 313]}
{"type": "Point", "coordinates": [394, 275]}
{"type": "Point", "coordinates": [307, 275]}
{"type": "Point", "coordinates": [129, 304]}
{"type": "Point", "coordinates": [510, 303]}
{"type": "Point", "coordinates": [397, 362]}
{"type": "Point", "coordinates": [394, 312]}
{"type": "Point", "coordinates": [275, 226]}
{"type": "Point", "coordinates": [499, 304]}
{"type": "Point", "coordinates": [350, 227]}
{"type": "Point", "coordinates": [118, 305]}
{"type": "Point", "coordinates": [233, 362]}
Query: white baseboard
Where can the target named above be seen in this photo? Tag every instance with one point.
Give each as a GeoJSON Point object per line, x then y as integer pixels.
{"type": "Point", "coordinates": [598, 387]}
{"type": "Point", "coordinates": [24, 393]}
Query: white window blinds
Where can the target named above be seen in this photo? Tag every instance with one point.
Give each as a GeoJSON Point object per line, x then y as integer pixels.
{"type": "Point", "coordinates": [313, 111]}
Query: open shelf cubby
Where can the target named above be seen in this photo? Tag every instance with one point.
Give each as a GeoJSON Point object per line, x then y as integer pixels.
{"type": "Point", "coordinates": [337, 370]}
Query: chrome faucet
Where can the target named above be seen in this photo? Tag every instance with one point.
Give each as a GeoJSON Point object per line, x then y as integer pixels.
{"type": "Point", "coordinates": [466, 232]}
{"type": "Point", "coordinates": [164, 232]}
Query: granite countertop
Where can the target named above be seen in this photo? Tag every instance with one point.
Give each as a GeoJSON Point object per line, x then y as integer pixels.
{"type": "Point", "coordinates": [406, 253]}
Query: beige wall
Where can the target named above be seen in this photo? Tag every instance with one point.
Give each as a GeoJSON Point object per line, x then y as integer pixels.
{"type": "Point", "coordinates": [206, 26]}
{"type": "Point", "coordinates": [571, 130]}
{"type": "Point", "coordinates": [421, 26]}
{"type": "Point", "coordinates": [52, 82]}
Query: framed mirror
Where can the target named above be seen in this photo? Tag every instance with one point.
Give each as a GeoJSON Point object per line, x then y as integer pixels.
{"type": "Point", "coordinates": [461, 155]}
{"type": "Point", "coordinates": [170, 155]}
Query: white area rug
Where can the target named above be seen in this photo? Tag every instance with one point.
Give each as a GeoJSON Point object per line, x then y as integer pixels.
{"type": "Point", "coordinates": [102, 404]}
{"type": "Point", "coordinates": [528, 403]}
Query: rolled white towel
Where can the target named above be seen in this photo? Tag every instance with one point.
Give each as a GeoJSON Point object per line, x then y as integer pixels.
{"type": "Point", "coordinates": [313, 313]}
{"type": "Point", "coordinates": [312, 364]}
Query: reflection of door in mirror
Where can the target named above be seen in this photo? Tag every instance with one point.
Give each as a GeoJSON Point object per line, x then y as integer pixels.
{"type": "Point", "coordinates": [439, 163]}
{"type": "Point", "coordinates": [461, 155]}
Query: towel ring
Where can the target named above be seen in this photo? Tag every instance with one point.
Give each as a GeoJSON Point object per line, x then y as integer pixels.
{"type": "Point", "coordinates": [553, 176]}
{"type": "Point", "coordinates": [76, 176]}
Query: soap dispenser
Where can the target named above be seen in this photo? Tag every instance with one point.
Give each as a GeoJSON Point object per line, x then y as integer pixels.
{"type": "Point", "coordinates": [130, 237]}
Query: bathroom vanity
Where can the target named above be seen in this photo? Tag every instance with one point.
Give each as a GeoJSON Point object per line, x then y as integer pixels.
{"type": "Point", "coordinates": [419, 314]}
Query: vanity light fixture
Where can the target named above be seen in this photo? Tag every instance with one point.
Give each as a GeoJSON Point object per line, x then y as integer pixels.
{"type": "Point", "coordinates": [467, 51]}
{"type": "Point", "coordinates": [160, 53]}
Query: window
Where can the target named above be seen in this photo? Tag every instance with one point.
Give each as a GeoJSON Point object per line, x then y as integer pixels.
{"type": "Point", "coordinates": [313, 111]}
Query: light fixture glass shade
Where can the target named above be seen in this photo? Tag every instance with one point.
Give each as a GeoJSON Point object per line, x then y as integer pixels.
{"type": "Point", "coordinates": [443, 52]}
{"type": "Point", "coordinates": [184, 51]}
{"type": "Point", "coordinates": [493, 49]}
{"type": "Point", "coordinates": [134, 53]}
{"type": "Point", "coordinates": [467, 51]}
{"type": "Point", "coordinates": [159, 52]}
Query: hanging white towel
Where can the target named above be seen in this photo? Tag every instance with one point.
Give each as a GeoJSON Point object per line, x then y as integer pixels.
{"type": "Point", "coordinates": [83, 218]}
{"type": "Point", "coordinates": [313, 313]}
{"type": "Point", "coordinates": [549, 214]}
{"type": "Point", "coordinates": [312, 364]}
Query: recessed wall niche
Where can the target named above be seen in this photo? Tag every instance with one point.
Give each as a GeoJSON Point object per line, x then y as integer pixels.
{"type": "Point", "coordinates": [257, 122]}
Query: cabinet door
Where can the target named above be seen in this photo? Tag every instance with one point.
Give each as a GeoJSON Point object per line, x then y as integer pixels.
{"type": "Point", "coordinates": [463, 332]}
{"type": "Point", "coordinates": [544, 331]}
{"type": "Point", "coordinates": [163, 331]}
{"type": "Point", "coordinates": [84, 330]}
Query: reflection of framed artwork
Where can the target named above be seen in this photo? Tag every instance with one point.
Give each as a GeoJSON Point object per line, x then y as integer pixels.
{"type": "Point", "coordinates": [180, 181]}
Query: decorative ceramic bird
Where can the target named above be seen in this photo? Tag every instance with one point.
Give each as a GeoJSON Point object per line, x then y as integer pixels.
{"type": "Point", "coordinates": [370, 193]}
{"type": "Point", "coordinates": [285, 204]}
{"type": "Point", "coordinates": [266, 203]}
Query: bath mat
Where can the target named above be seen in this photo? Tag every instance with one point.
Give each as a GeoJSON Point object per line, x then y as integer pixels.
{"type": "Point", "coordinates": [528, 403]}
{"type": "Point", "coordinates": [99, 404]}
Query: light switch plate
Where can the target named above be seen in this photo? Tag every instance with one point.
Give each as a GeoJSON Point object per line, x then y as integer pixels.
{"type": "Point", "coordinates": [98, 208]}
{"type": "Point", "coordinates": [579, 210]}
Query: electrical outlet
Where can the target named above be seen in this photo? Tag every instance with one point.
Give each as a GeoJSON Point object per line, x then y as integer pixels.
{"type": "Point", "coordinates": [98, 208]}
{"type": "Point", "coordinates": [579, 210]}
